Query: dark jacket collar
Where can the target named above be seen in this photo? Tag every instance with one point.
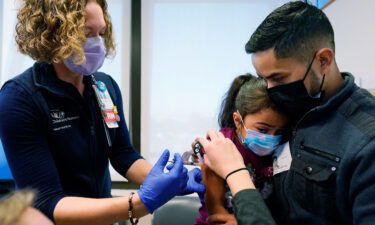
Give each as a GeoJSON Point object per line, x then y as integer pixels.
{"type": "Point", "coordinates": [346, 89]}
{"type": "Point", "coordinates": [333, 103]}
{"type": "Point", "coordinates": [45, 77]}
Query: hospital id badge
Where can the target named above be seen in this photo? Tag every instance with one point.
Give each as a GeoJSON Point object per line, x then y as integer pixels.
{"type": "Point", "coordinates": [109, 111]}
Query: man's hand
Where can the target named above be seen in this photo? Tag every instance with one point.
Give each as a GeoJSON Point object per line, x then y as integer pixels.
{"type": "Point", "coordinates": [221, 155]}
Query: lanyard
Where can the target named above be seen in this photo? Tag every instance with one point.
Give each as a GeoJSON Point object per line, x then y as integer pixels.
{"type": "Point", "coordinates": [106, 107]}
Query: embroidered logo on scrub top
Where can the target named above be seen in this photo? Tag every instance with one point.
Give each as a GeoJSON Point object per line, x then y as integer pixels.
{"type": "Point", "coordinates": [57, 114]}
{"type": "Point", "coordinates": [59, 121]}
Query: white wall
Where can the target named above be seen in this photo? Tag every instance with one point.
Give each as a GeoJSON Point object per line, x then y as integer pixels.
{"type": "Point", "coordinates": [12, 62]}
{"type": "Point", "coordinates": [191, 52]}
{"type": "Point", "coordinates": [353, 23]}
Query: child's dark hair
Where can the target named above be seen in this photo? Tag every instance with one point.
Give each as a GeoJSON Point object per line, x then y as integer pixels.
{"type": "Point", "coordinates": [247, 94]}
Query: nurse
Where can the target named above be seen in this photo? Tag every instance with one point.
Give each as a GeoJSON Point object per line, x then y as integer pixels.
{"type": "Point", "coordinates": [61, 121]}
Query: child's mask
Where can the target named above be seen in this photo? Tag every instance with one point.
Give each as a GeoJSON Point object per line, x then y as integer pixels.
{"type": "Point", "coordinates": [259, 143]}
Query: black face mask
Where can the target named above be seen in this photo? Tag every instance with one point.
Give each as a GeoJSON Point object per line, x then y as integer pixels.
{"type": "Point", "coordinates": [293, 98]}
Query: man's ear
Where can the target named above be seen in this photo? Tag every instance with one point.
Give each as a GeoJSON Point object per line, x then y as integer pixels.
{"type": "Point", "coordinates": [237, 120]}
{"type": "Point", "coordinates": [325, 58]}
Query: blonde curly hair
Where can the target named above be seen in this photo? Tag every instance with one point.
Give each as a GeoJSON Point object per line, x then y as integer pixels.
{"type": "Point", "coordinates": [53, 30]}
{"type": "Point", "coordinates": [12, 206]}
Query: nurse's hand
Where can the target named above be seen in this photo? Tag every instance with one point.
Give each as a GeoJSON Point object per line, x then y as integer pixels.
{"type": "Point", "coordinates": [195, 183]}
{"type": "Point", "coordinates": [159, 187]}
{"type": "Point", "coordinates": [221, 155]}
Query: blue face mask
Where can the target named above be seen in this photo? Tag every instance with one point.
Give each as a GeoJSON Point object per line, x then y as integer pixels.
{"type": "Point", "coordinates": [259, 143]}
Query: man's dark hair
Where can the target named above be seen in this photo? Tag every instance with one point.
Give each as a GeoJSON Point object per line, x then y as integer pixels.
{"type": "Point", "coordinates": [295, 30]}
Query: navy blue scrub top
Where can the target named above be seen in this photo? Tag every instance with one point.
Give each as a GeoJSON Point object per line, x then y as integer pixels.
{"type": "Point", "coordinates": [54, 138]}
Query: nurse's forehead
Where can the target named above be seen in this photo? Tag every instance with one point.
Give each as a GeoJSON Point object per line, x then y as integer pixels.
{"type": "Point", "coordinates": [94, 18]}
{"type": "Point", "coordinates": [94, 12]}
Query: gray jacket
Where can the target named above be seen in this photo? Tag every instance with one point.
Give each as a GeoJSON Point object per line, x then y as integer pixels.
{"type": "Point", "coordinates": [332, 174]}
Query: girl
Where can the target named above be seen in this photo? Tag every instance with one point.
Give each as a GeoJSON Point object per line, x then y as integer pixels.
{"type": "Point", "coordinates": [249, 118]}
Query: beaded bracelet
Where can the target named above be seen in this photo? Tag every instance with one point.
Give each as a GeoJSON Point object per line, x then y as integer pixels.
{"type": "Point", "coordinates": [133, 221]}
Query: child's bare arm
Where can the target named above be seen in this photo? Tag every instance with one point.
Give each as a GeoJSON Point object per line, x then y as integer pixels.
{"type": "Point", "coordinates": [215, 191]}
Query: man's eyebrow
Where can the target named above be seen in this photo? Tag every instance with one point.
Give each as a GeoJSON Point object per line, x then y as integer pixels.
{"type": "Point", "coordinates": [271, 75]}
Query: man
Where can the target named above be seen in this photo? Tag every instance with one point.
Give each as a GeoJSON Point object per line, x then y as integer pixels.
{"type": "Point", "coordinates": [330, 177]}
